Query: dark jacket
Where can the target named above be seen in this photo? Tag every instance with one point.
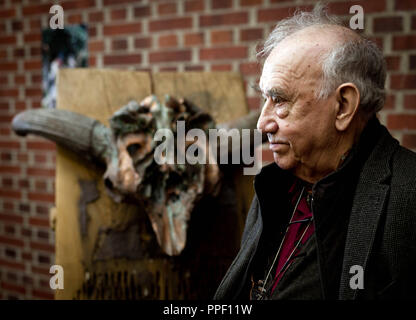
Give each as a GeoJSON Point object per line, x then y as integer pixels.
{"type": "Point", "coordinates": [380, 229]}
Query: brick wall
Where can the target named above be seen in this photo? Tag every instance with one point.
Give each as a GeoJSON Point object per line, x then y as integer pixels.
{"type": "Point", "coordinates": [150, 35]}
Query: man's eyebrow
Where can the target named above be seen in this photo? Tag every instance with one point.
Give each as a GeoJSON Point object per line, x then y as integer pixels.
{"type": "Point", "coordinates": [277, 92]}
{"type": "Point", "coordinates": [273, 92]}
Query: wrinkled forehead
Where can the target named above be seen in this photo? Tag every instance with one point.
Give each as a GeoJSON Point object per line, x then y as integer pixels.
{"type": "Point", "coordinates": [291, 62]}
{"type": "Point", "coordinates": [300, 55]}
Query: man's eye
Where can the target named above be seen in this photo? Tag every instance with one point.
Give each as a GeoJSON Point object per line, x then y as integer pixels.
{"type": "Point", "coordinates": [277, 100]}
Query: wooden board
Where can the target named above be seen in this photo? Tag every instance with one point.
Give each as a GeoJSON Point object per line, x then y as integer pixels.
{"type": "Point", "coordinates": [98, 94]}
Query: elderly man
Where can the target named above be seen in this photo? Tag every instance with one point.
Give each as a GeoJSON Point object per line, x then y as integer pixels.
{"type": "Point", "coordinates": [335, 216]}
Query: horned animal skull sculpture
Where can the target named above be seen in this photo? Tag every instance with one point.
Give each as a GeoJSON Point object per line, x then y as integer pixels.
{"type": "Point", "coordinates": [168, 192]}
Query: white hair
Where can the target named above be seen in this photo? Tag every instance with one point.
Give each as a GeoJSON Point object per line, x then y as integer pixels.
{"type": "Point", "coordinates": [356, 60]}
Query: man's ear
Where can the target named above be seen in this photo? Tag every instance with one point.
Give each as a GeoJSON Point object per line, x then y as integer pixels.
{"type": "Point", "coordinates": [348, 98]}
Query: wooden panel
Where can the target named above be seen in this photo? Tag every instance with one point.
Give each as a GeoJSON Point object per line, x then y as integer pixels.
{"type": "Point", "coordinates": [98, 94]}
{"type": "Point", "coordinates": [219, 93]}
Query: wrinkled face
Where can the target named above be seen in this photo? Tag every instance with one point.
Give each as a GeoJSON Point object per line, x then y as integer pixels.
{"type": "Point", "coordinates": [300, 128]}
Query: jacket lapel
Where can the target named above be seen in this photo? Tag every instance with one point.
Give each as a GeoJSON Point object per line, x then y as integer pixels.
{"type": "Point", "coordinates": [368, 205]}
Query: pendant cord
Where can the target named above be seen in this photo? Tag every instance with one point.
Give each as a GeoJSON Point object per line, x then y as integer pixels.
{"type": "Point", "coordinates": [281, 243]}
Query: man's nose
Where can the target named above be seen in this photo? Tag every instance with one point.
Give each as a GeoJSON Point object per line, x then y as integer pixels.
{"type": "Point", "coordinates": [267, 123]}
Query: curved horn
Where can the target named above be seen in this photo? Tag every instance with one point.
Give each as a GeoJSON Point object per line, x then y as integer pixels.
{"type": "Point", "coordinates": [80, 134]}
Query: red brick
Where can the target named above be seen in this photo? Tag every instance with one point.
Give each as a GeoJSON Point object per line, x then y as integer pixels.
{"type": "Point", "coordinates": [42, 295]}
{"type": "Point", "coordinates": [8, 66]}
{"type": "Point", "coordinates": [24, 183]}
{"type": "Point", "coordinates": [40, 271]}
{"type": "Point", "coordinates": [378, 41]}
{"type": "Point", "coordinates": [11, 241]}
{"type": "Point", "coordinates": [251, 34]}
{"type": "Point", "coordinates": [40, 172]}
{"type": "Point", "coordinates": [11, 218]}
{"type": "Point", "coordinates": [221, 67]}
{"type": "Point", "coordinates": [238, 52]}
{"type": "Point", "coordinates": [7, 13]}
{"type": "Point", "coordinates": [42, 247]}
{"type": "Point", "coordinates": [245, 3]}
{"type": "Point", "coordinates": [22, 157]}
{"type": "Point", "coordinates": [194, 68]}
{"type": "Point", "coordinates": [27, 256]}
{"type": "Point", "coordinates": [14, 93]}
{"type": "Point", "coordinates": [142, 12]}
{"type": "Point", "coordinates": [15, 194]}
{"type": "Point", "coordinates": [123, 59]}
{"type": "Point", "coordinates": [10, 144]}
{"type": "Point", "coordinates": [36, 196]}
{"type": "Point", "coordinates": [77, 4]}
{"type": "Point", "coordinates": [12, 264]}
{"type": "Point", "coordinates": [223, 19]}
{"type": "Point", "coordinates": [6, 40]}
{"type": "Point", "coordinates": [166, 8]}
{"type": "Point", "coordinates": [254, 103]}
{"type": "Point", "coordinates": [194, 5]}
{"type": "Point", "coordinates": [168, 69]}
{"type": "Point", "coordinates": [192, 39]}
{"type": "Point", "coordinates": [140, 43]}
{"type": "Point", "coordinates": [17, 25]}
{"type": "Point", "coordinates": [414, 22]}
{"type": "Point", "coordinates": [92, 61]}
{"type": "Point", "coordinates": [412, 62]}
{"type": "Point", "coordinates": [168, 41]}
{"type": "Point", "coordinates": [276, 14]}
{"type": "Point", "coordinates": [125, 28]}
{"type": "Point", "coordinates": [388, 24]}
{"type": "Point", "coordinates": [409, 101]}
{"type": "Point", "coordinates": [119, 44]}
{"type": "Point", "coordinates": [92, 31]}
{"type": "Point", "coordinates": [403, 81]}
{"type": "Point", "coordinates": [5, 131]}
{"type": "Point", "coordinates": [33, 92]}
{"type": "Point", "coordinates": [9, 169]}
{"type": "Point", "coordinates": [41, 186]}
{"type": "Point", "coordinates": [35, 23]}
{"type": "Point", "coordinates": [41, 145]}
{"type": "Point", "coordinates": [112, 2]}
{"type": "Point", "coordinates": [35, 51]}
{"type": "Point", "coordinates": [170, 56]}
{"type": "Point", "coordinates": [401, 121]}
{"type": "Point", "coordinates": [96, 46]}
{"type": "Point", "coordinates": [405, 4]}
{"type": "Point", "coordinates": [118, 14]}
{"type": "Point", "coordinates": [369, 6]}
{"type": "Point", "coordinates": [32, 37]}
{"type": "Point", "coordinates": [404, 42]}
{"type": "Point", "coordinates": [13, 287]}
{"type": "Point", "coordinates": [3, 54]}
{"type": "Point", "coordinates": [221, 36]}
{"type": "Point", "coordinates": [170, 24]}
{"type": "Point", "coordinates": [250, 68]}
{"type": "Point", "coordinates": [38, 9]}
{"type": "Point", "coordinates": [95, 16]}
{"type": "Point", "coordinates": [33, 64]}
{"type": "Point", "coordinates": [38, 222]}
{"type": "Point", "coordinates": [393, 63]}
{"type": "Point", "coordinates": [75, 18]}
{"type": "Point", "coordinates": [409, 141]}
{"type": "Point", "coordinates": [390, 102]}
{"type": "Point", "coordinates": [221, 4]}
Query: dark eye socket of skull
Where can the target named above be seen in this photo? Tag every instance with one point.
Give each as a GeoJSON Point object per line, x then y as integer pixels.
{"type": "Point", "coordinates": [133, 148]}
